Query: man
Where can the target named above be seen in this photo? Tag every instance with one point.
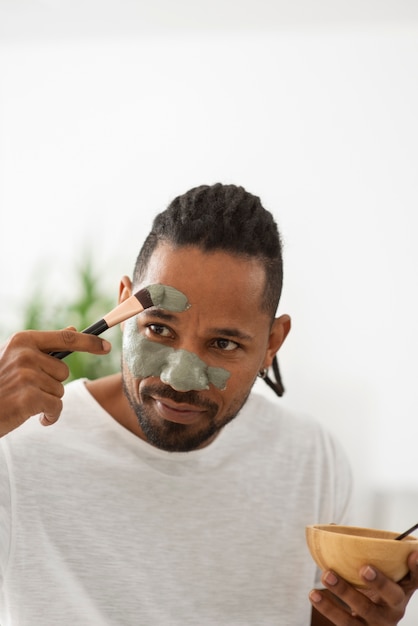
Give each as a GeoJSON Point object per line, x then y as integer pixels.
{"type": "Point", "coordinates": [171, 493]}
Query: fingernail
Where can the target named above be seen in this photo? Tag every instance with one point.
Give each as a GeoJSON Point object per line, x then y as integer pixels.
{"type": "Point", "coordinates": [315, 596]}
{"type": "Point", "coordinates": [106, 345]}
{"type": "Point", "coordinates": [369, 573]}
{"type": "Point", "coordinates": [330, 578]}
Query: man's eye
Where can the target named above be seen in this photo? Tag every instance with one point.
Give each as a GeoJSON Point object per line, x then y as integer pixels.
{"type": "Point", "coordinates": [158, 329]}
{"type": "Point", "coordinates": [226, 344]}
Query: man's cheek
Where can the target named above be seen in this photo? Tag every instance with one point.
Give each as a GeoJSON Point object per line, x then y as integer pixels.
{"type": "Point", "coordinates": [182, 370]}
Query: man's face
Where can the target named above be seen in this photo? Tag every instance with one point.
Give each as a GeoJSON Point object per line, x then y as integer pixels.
{"type": "Point", "coordinates": [224, 332]}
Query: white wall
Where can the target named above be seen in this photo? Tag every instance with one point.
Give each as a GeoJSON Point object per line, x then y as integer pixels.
{"type": "Point", "coordinates": [100, 130]}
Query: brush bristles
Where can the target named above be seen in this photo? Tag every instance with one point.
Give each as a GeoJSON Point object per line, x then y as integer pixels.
{"type": "Point", "coordinates": [144, 297]}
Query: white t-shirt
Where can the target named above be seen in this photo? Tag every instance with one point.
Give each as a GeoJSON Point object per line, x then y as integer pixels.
{"type": "Point", "coordinates": [98, 528]}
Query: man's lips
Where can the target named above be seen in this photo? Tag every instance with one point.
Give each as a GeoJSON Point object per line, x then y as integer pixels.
{"type": "Point", "coordinates": [179, 412]}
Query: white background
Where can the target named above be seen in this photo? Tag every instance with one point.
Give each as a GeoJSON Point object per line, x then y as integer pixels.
{"type": "Point", "coordinates": [110, 109]}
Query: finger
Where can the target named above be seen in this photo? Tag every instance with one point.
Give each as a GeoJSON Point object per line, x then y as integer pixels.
{"type": "Point", "coordinates": [331, 608]}
{"type": "Point", "coordinates": [50, 404]}
{"type": "Point", "coordinates": [26, 385]}
{"type": "Point", "coordinates": [410, 583]}
{"type": "Point", "coordinates": [380, 589]}
{"type": "Point", "coordinates": [84, 342]}
{"type": "Point", "coordinates": [48, 420]}
{"type": "Point", "coordinates": [381, 599]}
{"type": "Point", "coordinates": [52, 367]}
{"type": "Point", "coordinates": [30, 398]}
{"type": "Point", "coordinates": [30, 379]}
{"type": "Point", "coordinates": [23, 362]}
{"type": "Point", "coordinates": [413, 567]}
{"type": "Point", "coordinates": [40, 392]}
{"type": "Point", "coordinates": [68, 339]}
{"type": "Point", "coordinates": [48, 399]}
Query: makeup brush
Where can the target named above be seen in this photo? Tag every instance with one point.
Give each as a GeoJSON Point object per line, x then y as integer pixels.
{"type": "Point", "coordinates": [406, 533]}
{"type": "Point", "coordinates": [161, 296]}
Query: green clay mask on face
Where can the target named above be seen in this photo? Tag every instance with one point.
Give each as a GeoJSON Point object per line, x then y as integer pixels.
{"type": "Point", "coordinates": [169, 298]}
{"type": "Point", "coordinates": [182, 370]}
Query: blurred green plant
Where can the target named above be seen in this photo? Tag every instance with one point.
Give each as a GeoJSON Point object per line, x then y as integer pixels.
{"type": "Point", "coordinates": [88, 305]}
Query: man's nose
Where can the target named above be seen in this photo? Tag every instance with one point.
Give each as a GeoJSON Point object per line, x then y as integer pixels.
{"type": "Point", "coordinates": [185, 371]}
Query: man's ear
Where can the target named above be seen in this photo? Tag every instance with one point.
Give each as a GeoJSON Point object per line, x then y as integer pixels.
{"type": "Point", "coordinates": [125, 291]}
{"type": "Point", "coordinates": [125, 288]}
{"type": "Point", "coordinates": [279, 331]}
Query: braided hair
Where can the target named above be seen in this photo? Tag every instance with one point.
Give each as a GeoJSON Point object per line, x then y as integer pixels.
{"type": "Point", "coordinates": [226, 218]}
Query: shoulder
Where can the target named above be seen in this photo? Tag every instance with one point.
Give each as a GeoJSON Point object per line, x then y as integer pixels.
{"type": "Point", "coordinates": [272, 414]}
{"type": "Point", "coordinates": [295, 437]}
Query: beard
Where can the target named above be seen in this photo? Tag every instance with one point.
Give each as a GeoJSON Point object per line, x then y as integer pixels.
{"type": "Point", "coordinates": [171, 436]}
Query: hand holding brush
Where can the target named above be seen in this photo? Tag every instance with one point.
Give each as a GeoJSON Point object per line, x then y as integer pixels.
{"type": "Point", "coordinates": [161, 296]}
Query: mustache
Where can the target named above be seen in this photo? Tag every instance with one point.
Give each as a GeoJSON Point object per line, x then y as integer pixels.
{"type": "Point", "coordinates": [189, 397]}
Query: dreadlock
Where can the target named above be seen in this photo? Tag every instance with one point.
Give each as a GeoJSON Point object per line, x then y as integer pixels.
{"type": "Point", "coordinates": [226, 218]}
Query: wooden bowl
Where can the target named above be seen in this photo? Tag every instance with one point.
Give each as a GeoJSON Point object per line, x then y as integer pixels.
{"type": "Point", "coordinates": [345, 549]}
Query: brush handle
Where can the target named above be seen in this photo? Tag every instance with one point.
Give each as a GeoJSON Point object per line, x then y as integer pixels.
{"type": "Point", "coordinates": [95, 329]}
{"type": "Point", "coordinates": [406, 533]}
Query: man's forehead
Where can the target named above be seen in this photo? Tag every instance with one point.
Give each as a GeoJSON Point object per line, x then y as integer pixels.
{"type": "Point", "coordinates": [208, 278]}
{"type": "Point", "coordinates": [193, 257]}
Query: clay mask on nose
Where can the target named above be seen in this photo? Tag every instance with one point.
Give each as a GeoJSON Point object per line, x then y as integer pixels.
{"type": "Point", "coordinates": [182, 370]}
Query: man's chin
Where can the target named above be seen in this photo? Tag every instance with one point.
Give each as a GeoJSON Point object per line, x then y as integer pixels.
{"type": "Point", "coordinates": [174, 437]}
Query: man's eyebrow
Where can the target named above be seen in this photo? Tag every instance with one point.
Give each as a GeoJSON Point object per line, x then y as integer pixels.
{"type": "Point", "coordinates": [234, 333]}
{"type": "Point", "coordinates": [159, 313]}
{"type": "Point", "coordinates": [166, 316]}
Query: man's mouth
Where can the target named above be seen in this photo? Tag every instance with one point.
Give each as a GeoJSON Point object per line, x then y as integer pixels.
{"type": "Point", "coordinates": [178, 412]}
